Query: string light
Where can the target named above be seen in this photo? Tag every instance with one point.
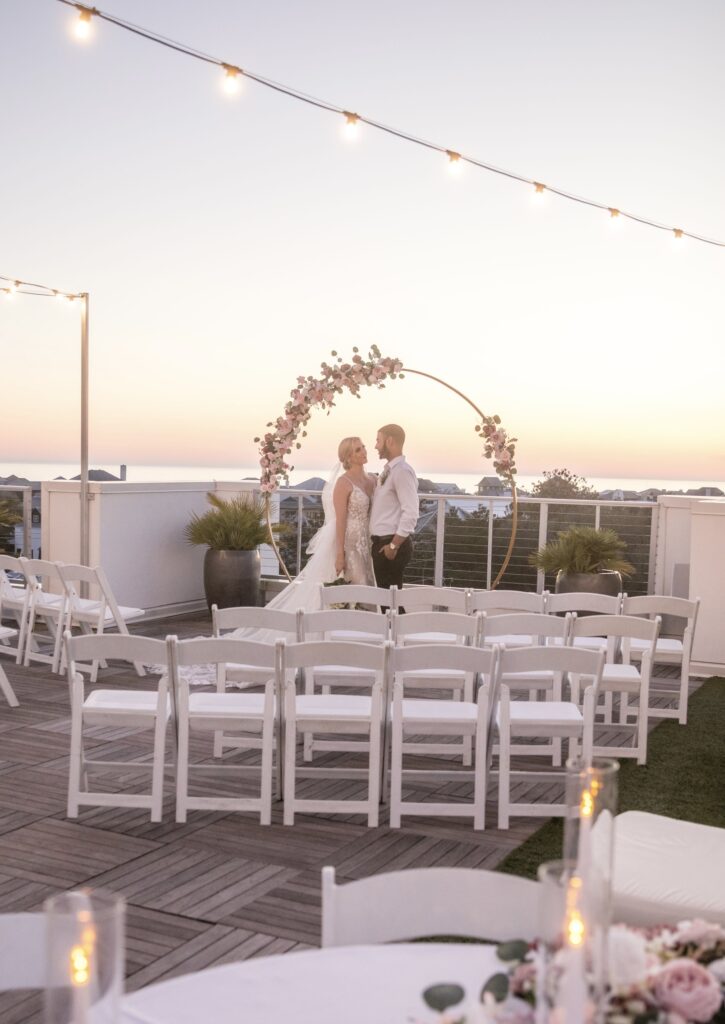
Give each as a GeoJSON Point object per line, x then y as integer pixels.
{"type": "Point", "coordinates": [350, 128]}
{"type": "Point", "coordinates": [12, 286]}
{"type": "Point", "coordinates": [455, 161]}
{"type": "Point", "coordinates": [539, 193]}
{"type": "Point", "coordinates": [7, 293]}
{"type": "Point", "coordinates": [82, 27]}
{"type": "Point", "coordinates": [232, 83]}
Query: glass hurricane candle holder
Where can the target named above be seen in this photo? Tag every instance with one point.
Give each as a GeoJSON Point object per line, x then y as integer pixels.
{"type": "Point", "coordinates": [85, 957]}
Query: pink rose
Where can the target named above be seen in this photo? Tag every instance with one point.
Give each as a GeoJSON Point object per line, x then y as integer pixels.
{"type": "Point", "coordinates": [689, 989]}
{"type": "Point", "coordinates": [699, 932]}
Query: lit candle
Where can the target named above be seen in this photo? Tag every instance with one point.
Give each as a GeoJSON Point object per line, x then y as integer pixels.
{"type": "Point", "coordinates": [80, 976]}
{"type": "Point", "coordinates": [573, 985]}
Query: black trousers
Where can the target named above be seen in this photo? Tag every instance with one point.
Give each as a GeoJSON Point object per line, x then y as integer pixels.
{"type": "Point", "coordinates": [389, 571]}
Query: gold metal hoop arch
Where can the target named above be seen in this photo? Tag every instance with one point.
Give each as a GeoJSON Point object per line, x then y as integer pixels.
{"type": "Point", "coordinates": [509, 477]}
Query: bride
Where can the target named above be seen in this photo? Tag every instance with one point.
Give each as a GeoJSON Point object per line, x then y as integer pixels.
{"type": "Point", "coordinates": [341, 547]}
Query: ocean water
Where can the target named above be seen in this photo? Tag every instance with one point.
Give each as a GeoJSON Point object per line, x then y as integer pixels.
{"type": "Point", "coordinates": [467, 481]}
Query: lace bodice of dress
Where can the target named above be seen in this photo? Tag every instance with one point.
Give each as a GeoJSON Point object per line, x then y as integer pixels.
{"type": "Point", "coordinates": [358, 561]}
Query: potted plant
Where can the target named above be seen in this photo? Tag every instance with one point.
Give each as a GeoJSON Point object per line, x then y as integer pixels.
{"type": "Point", "coordinates": [585, 560]}
{"type": "Point", "coordinates": [232, 529]}
{"type": "Point", "coordinates": [8, 517]}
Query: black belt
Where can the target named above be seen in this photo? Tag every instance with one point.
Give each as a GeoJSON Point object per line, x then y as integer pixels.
{"type": "Point", "coordinates": [387, 537]}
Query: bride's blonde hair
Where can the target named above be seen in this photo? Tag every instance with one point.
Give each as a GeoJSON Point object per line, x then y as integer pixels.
{"type": "Point", "coordinates": [345, 450]}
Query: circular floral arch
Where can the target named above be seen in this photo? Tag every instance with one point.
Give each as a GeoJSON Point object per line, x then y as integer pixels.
{"type": "Point", "coordinates": [311, 393]}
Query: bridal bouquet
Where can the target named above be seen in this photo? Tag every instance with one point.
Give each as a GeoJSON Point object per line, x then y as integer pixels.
{"type": "Point", "coordinates": [656, 976]}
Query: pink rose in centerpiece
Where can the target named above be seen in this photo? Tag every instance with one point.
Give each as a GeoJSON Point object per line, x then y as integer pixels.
{"type": "Point", "coordinates": [699, 932]}
{"type": "Point", "coordinates": [689, 989]}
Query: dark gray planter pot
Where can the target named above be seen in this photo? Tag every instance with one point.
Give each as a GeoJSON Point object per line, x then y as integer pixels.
{"type": "Point", "coordinates": [607, 582]}
{"type": "Point", "coordinates": [231, 578]}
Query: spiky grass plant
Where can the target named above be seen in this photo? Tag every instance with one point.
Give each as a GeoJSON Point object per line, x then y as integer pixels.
{"type": "Point", "coordinates": [231, 524]}
{"type": "Point", "coordinates": [584, 549]}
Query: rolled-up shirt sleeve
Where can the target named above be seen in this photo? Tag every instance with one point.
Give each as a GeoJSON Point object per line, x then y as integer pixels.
{"type": "Point", "coordinates": [406, 487]}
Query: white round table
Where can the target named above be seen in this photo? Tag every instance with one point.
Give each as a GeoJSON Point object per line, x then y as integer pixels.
{"type": "Point", "coordinates": [342, 985]}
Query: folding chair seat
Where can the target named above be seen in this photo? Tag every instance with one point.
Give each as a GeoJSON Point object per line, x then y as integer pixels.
{"type": "Point", "coordinates": [357, 595]}
{"type": "Point", "coordinates": [431, 599]}
{"type": "Point", "coordinates": [507, 602]}
{"type": "Point", "coordinates": [623, 679]}
{"type": "Point", "coordinates": [468, 720]}
{"type": "Point", "coordinates": [252, 715]}
{"type": "Point", "coordinates": [669, 650]}
{"type": "Point", "coordinates": [5, 687]}
{"type": "Point", "coordinates": [332, 713]}
{"type": "Point", "coordinates": [125, 708]}
{"type": "Point", "coordinates": [420, 902]}
{"type": "Point", "coordinates": [47, 602]}
{"type": "Point", "coordinates": [557, 719]}
{"type": "Point", "coordinates": [14, 604]}
{"type": "Point", "coordinates": [94, 614]}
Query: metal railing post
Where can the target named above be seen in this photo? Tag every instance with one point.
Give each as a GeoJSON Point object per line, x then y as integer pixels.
{"type": "Point", "coordinates": [489, 547]}
{"type": "Point", "coordinates": [543, 534]}
{"type": "Point", "coordinates": [300, 504]}
{"type": "Point", "coordinates": [652, 565]}
{"type": "Point", "coordinates": [440, 541]}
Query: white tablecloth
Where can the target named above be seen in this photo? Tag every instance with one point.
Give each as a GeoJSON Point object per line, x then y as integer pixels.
{"type": "Point", "coordinates": [343, 985]}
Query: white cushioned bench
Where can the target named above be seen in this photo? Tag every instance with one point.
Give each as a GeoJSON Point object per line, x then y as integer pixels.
{"type": "Point", "coordinates": [667, 870]}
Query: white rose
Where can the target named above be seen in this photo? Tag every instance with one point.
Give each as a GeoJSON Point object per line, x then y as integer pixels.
{"type": "Point", "coordinates": [717, 968]}
{"type": "Point", "coordinates": [627, 958]}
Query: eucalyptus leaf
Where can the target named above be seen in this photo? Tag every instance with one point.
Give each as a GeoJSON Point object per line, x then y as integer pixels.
{"type": "Point", "coordinates": [497, 986]}
{"type": "Point", "coordinates": [440, 997]}
{"type": "Point", "coordinates": [514, 950]}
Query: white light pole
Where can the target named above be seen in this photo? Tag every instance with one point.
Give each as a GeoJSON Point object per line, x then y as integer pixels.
{"type": "Point", "coordinates": [85, 497]}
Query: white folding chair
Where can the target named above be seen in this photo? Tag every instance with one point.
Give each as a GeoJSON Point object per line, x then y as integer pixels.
{"type": "Point", "coordinates": [14, 604]}
{"type": "Point", "coordinates": [512, 631]}
{"type": "Point", "coordinates": [23, 952]}
{"type": "Point", "coordinates": [248, 714]}
{"type": "Point", "coordinates": [502, 602]}
{"type": "Point", "coordinates": [526, 719]}
{"type": "Point", "coordinates": [439, 628]}
{"type": "Point", "coordinates": [428, 902]}
{"type": "Point", "coordinates": [47, 601]}
{"type": "Point", "coordinates": [670, 650]}
{"type": "Point", "coordinates": [592, 604]}
{"type": "Point", "coordinates": [353, 594]}
{"type": "Point", "coordinates": [463, 719]}
{"type": "Point", "coordinates": [341, 624]}
{"type": "Point", "coordinates": [126, 708]}
{"type": "Point", "coordinates": [332, 713]}
{"type": "Point", "coordinates": [94, 614]}
{"type": "Point", "coordinates": [6, 634]}
{"type": "Point", "coordinates": [624, 679]}
{"type": "Point", "coordinates": [260, 625]}
{"type": "Point", "coordinates": [430, 599]}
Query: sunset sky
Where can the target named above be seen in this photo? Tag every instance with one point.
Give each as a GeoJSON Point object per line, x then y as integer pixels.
{"type": "Point", "coordinates": [228, 244]}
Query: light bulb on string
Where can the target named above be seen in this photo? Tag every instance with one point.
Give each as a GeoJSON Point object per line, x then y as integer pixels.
{"type": "Point", "coordinates": [539, 193]}
{"type": "Point", "coordinates": [232, 82]}
{"type": "Point", "coordinates": [7, 293]}
{"type": "Point", "coordinates": [82, 27]}
{"type": "Point", "coordinates": [350, 129]}
{"type": "Point", "coordinates": [455, 164]}
{"type": "Point", "coordinates": [615, 217]}
{"type": "Point", "coordinates": [678, 236]}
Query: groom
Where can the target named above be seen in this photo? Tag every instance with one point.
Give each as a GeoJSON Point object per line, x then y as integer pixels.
{"type": "Point", "coordinates": [394, 512]}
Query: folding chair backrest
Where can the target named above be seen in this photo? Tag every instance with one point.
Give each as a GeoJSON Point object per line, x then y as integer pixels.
{"type": "Point", "coordinates": [316, 653]}
{"type": "Point", "coordinates": [463, 627]}
{"type": "Point", "coordinates": [276, 621]}
{"type": "Point", "coordinates": [425, 599]}
{"type": "Point", "coordinates": [531, 624]}
{"type": "Point", "coordinates": [501, 602]}
{"type": "Point", "coordinates": [617, 626]}
{"type": "Point", "coordinates": [119, 646]}
{"type": "Point", "coordinates": [551, 659]}
{"type": "Point", "coordinates": [22, 951]}
{"type": "Point", "coordinates": [478, 660]}
{"type": "Point", "coordinates": [357, 593]}
{"type": "Point", "coordinates": [651, 605]}
{"type": "Point", "coordinates": [423, 902]}
{"type": "Point", "coordinates": [43, 575]}
{"type": "Point", "coordinates": [352, 620]}
{"type": "Point", "coordinates": [8, 564]}
{"type": "Point", "coordinates": [602, 604]}
{"type": "Point", "coordinates": [222, 650]}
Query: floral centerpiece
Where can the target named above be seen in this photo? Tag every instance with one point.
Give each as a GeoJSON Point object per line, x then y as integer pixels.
{"type": "Point", "coordinates": [656, 976]}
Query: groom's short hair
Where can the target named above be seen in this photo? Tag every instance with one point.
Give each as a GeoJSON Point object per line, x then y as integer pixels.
{"type": "Point", "coordinates": [393, 430]}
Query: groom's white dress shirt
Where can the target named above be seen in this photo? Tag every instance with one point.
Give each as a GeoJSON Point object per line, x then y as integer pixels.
{"type": "Point", "coordinates": [395, 501]}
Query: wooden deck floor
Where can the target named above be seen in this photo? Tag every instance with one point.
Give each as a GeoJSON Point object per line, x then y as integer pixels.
{"type": "Point", "coordinates": [218, 888]}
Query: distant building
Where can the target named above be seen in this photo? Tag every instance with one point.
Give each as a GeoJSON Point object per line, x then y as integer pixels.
{"type": "Point", "coordinates": [493, 487]}
{"type": "Point", "coordinates": [705, 492]}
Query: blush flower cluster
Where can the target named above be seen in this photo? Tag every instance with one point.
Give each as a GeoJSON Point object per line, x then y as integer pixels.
{"type": "Point", "coordinates": [310, 393]}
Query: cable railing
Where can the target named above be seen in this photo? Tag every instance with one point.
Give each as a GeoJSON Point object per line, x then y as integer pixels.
{"type": "Point", "coordinates": [461, 540]}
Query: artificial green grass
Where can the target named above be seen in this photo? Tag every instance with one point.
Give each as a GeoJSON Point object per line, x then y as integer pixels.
{"type": "Point", "coordinates": [684, 778]}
